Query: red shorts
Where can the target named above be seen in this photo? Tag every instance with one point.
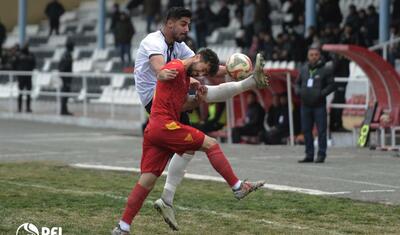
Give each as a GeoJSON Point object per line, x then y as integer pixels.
{"type": "Point", "coordinates": [164, 138]}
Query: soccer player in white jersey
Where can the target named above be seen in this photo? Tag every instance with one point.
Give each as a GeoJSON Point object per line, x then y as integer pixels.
{"type": "Point", "coordinates": [155, 50]}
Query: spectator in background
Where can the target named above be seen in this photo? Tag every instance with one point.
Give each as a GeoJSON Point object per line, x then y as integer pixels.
{"type": "Point", "coordinates": [364, 31]}
{"type": "Point", "coordinates": [262, 21]}
{"type": "Point", "coordinates": [54, 10]}
{"type": "Point", "coordinates": [266, 45]}
{"type": "Point", "coordinates": [133, 4]}
{"type": "Point", "coordinates": [25, 62]}
{"type": "Point", "coordinates": [115, 15]}
{"type": "Point", "coordinates": [124, 31]}
{"type": "Point", "coordinates": [327, 36]}
{"type": "Point", "coordinates": [175, 3]}
{"type": "Point", "coordinates": [312, 36]}
{"type": "Point", "coordinates": [152, 11]}
{"type": "Point", "coordinates": [299, 28]}
{"type": "Point", "coordinates": [9, 57]}
{"type": "Point", "coordinates": [329, 13]}
{"type": "Point", "coordinates": [353, 19]}
{"type": "Point", "coordinates": [372, 24]}
{"type": "Point", "coordinates": [202, 18]}
{"type": "Point", "coordinates": [65, 65]}
{"type": "Point", "coordinates": [314, 84]}
{"type": "Point", "coordinates": [249, 10]}
{"type": "Point", "coordinates": [394, 48]}
{"type": "Point", "coordinates": [3, 36]}
{"type": "Point", "coordinates": [272, 117]}
{"type": "Point", "coordinates": [297, 52]}
{"type": "Point", "coordinates": [279, 128]}
{"type": "Point", "coordinates": [222, 18]}
{"type": "Point", "coordinates": [349, 36]}
{"type": "Point", "coordinates": [254, 120]}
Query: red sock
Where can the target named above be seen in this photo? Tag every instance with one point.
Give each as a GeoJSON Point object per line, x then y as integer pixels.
{"type": "Point", "coordinates": [221, 164]}
{"type": "Point", "coordinates": [135, 202]}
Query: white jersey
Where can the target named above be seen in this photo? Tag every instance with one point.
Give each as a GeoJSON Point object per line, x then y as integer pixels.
{"type": "Point", "coordinates": [145, 76]}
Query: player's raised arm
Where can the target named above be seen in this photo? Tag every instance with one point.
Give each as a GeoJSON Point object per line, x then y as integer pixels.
{"type": "Point", "coordinates": [157, 62]}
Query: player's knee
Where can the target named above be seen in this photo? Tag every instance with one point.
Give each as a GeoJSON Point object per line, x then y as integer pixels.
{"type": "Point", "coordinates": [148, 180]}
{"type": "Point", "coordinates": [209, 142]}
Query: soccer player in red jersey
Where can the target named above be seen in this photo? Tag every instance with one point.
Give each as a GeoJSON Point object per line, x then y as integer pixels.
{"type": "Point", "coordinates": [165, 135]}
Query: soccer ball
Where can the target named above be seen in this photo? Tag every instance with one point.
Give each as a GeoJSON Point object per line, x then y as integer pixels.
{"type": "Point", "coordinates": [239, 66]}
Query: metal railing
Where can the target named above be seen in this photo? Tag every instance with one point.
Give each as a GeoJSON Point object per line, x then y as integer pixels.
{"type": "Point", "coordinates": [361, 79]}
{"type": "Point", "coordinates": [385, 46]}
{"type": "Point", "coordinates": [84, 95]}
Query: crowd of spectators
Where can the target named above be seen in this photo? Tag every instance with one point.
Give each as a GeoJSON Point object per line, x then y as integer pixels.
{"type": "Point", "coordinates": [358, 26]}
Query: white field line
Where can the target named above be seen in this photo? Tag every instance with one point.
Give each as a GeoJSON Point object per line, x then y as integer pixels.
{"type": "Point", "coordinates": [212, 178]}
{"type": "Point", "coordinates": [378, 191]}
{"type": "Point", "coordinates": [150, 202]}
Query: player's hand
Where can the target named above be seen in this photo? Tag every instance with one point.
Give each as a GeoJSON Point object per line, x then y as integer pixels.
{"type": "Point", "coordinates": [201, 92]}
{"type": "Point", "coordinates": [167, 74]}
{"type": "Point", "coordinates": [194, 84]}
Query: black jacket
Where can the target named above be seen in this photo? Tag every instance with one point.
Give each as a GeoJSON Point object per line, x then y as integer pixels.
{"type": "Point", "coordinates": [313, 93]}
{"type": "Point", "coordinates": [273, 115]}
{"type": "Point", "coordinates": [124, 31]}
{"type": "Point", "coordinates": [66, 61]}
{"type": "Point", "coordinates": [3, 34]}
{"type": "Point", "coordinates": [54, 10]}
{"type": "Point", "coordinates": [255, 116]}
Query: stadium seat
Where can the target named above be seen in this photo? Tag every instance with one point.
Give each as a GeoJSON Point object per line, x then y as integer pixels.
{"type": "Point", "coordinates": [117, 81]}
{"type": "Point", "coordinates": [100, 54]}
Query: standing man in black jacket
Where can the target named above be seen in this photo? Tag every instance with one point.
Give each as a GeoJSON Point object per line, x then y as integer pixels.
{"type": "Point", "coordinates": [124, 31]}
{"type": "Point", "coordinates": [3, 36]}
{"type": "Point", "coordinates": [314, 84]}
{"type": "Point", "coordinates": [25, 61]}
{"type": "Point", "coordinates": [54, 10]}
{"type": "Point", "coordinates": [65, 65]}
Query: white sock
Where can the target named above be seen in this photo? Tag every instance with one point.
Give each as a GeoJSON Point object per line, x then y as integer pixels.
{"type": "Point", "coordinates": [237, 185]}
{"type": "Point", "coordinates": [124, 226]}
{"type": "Point", "coordinates": [224, 91]}
{"type": "Point", "coordinates": [176, 171]}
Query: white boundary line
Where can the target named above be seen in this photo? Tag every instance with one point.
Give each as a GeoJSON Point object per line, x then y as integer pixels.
{"type": "Point", "coordinates": [150, 202]}
{"type": "Point", "coordinates": [211, 178]}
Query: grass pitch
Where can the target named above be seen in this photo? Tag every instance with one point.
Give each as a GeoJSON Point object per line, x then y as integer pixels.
{"type": "Point", "coordinates": [91, 202]}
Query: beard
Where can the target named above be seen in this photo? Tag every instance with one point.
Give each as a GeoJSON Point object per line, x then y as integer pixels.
{"type": "Point", "coordinates": [179, 37]}
{"type": "Point", "coordinates": [189, 71]}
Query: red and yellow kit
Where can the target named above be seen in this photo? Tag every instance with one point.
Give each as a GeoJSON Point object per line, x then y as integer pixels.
{"type": "Point", "coordinates": [164, 134]}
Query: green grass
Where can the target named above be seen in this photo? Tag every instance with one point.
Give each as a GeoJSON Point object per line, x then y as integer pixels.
{"type": "Point", "coordinates": [91, 202]}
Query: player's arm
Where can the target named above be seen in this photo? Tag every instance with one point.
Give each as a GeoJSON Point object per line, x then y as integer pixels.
{"type": "Point", "coordinates": [194, 101]}
{"type": "Point", "coordinates": [191, 103]}
{"type": "Point", "coordinates": [157, 62]}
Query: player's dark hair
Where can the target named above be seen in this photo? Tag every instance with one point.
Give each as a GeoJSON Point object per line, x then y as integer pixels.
{"type": "Point", "coordinates": [175, 13]}
{"type": "Point", "coordinates": [210, 57]}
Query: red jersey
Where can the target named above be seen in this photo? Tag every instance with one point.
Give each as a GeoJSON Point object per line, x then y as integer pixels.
{"type": "Point", "coordinates": [170, 95]}
{"type": "Point", "coordinates": [165, 135]}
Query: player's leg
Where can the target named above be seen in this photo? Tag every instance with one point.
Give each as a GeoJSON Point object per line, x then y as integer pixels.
{"type": "Point", "coordinates": [224, 91]}
{"type": "Point", "coordinates": [135, 201]}
{"type": "Point", "coordinates": [154, 160]}
{"type": "Point", "coordinates": [176, 172]}
{"type": "Point", "coordinates": [221, 164]}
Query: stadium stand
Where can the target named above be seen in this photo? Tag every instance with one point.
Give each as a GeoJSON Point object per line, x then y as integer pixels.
{"type": "Point", "coordinates": [80, 25]}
